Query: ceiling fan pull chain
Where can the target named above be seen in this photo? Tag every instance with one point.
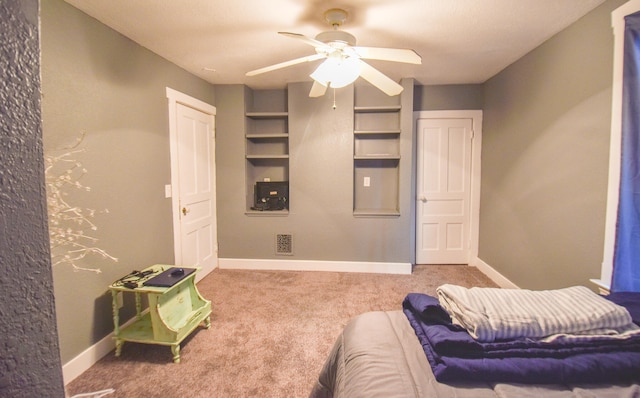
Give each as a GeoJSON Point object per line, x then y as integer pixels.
{"type": "Point", "coordinates": [334, 98]}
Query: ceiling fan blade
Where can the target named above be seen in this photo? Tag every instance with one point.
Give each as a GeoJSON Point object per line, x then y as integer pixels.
{"type": "Point", "coordinates": [379, 79]}
{"type": "Point", "coordinates": [281, 65]}
{"type": "Point", "coordinates": [317, 90]}
{"type": "Point", "coordinates": [389, 54]}
{"type": "Point", "coordinates": [305, 39]}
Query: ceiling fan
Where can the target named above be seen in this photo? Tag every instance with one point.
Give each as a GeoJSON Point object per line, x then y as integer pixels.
{"type": "Point", "coordinates": [343, 59]}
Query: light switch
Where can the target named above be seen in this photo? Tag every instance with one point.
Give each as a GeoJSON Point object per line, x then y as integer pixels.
{"type": "Point", "coordinates": [367, 181]}
{"type": "Point", "coordinates": [167, 191]}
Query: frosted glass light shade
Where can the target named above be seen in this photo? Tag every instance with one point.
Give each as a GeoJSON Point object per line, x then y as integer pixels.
{"type": "Point", "coordinates": [337, 72]}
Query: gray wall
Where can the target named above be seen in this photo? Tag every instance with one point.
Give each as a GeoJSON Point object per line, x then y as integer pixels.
{"type": "Point", "coordinates": [321, 216]}
{"type": "Point", "coordinates": [448, 97]}
{"type": "Point", "coordinates": [98, 82]}
{"type": "Point", "coordinates": [544, 163]}
{"type": "Point", "coordinates": [30, 360]}
{"type": "Point", "coordinates": [545, 158]}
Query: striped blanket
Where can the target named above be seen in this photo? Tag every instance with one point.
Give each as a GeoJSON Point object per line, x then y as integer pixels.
{"type": "Point", "coordinates": [490, 314]}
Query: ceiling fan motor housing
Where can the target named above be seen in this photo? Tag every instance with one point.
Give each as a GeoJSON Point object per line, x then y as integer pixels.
{"type": "Point", "coordinates": [336, 17]}
{"type": "Point", "coordinates": [336, 36]}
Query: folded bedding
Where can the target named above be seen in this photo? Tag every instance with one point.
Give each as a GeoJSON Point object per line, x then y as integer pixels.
{"type": "Point", "coordinates": [455, 355]}
{"type": "Point", "coordinates": [453, 340]}
{"type": "Point", "coordinates": [489, 314]}
{"type": "Point", "coordinates": [630, 301]}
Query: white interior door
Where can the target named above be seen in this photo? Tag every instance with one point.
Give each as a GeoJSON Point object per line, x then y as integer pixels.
{"type": "Point", "coordinates": [443, 190]}
{"type": "Point", "coordinates": [193, 187]}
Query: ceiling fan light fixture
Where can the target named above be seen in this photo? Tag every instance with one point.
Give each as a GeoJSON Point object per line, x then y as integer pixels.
{"type": "Point", "coordinates": [337, 71]}
{"type": "Point", "coordinates": [344, 62]}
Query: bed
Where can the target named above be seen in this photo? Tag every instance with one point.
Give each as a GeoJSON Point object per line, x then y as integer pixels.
{"type": "Point", "coordinates": [379, 354]}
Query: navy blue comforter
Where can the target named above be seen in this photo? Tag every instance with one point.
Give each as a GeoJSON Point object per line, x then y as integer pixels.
{"type": "Point", "coordinates": [455, 356]}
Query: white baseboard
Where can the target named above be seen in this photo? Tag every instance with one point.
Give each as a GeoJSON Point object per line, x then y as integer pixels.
{"type": "Point", "coordinates": [494, 275]}
{"type": "Point", "coordinates": [313, 265]}
{"type": "Point", "coordinates": [90, 356]}
{"type": "Point", "coordinates": [93, 354]}
{"type": "Point", "coordinates": [87, 358]}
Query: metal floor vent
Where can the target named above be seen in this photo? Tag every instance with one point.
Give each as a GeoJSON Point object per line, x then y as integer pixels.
{"type": "Point", "coordinates": [284, 244]}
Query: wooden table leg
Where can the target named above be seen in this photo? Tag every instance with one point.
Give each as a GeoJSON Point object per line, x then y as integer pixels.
{"type": "Point", "coordinates": [138, 306]}
{"type": "Point", "coordinates": [175, 350]}
{"type": "Point", "coordinates": [116, 311]}
{"type": "Point", "coordinates": [119, 344]}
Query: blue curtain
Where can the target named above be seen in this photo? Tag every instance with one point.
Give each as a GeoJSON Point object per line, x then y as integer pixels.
{"type": "Point", "coordinates": [626, 258]}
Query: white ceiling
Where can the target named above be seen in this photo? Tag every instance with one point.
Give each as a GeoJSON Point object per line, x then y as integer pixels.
{"type": "Point", "coordinates": [460, 41]}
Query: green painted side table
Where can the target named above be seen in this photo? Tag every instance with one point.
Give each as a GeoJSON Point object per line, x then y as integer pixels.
{"type": "Point", "coordinates": [173, 313]}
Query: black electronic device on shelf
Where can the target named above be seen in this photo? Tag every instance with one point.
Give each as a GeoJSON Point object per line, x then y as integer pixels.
{"type": "Point", "coordinates": [271, 195]}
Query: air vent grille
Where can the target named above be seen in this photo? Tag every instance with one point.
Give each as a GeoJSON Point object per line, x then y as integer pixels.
{"type": "Point", "coordinates": [284, 244]}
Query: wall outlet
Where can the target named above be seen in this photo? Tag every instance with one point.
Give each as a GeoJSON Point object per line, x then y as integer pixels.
{"type": "Point", "coordinates": [367, 181]}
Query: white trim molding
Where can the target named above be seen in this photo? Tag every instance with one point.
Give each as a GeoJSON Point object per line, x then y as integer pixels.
{"type": "Point", "coordinates": [603, 287]}
{"type": "Point", "coordinates": [174, 98]}
{"type": "Point", "coordinates": [476, 153]}
{"type": "Point", "coordinates": [315, 265]}
{"type": "Point", "coordinates": [90, 356]}
{"type": "Point", "coordinates": [105, 346]}
{"type": "Point", "coordinates": [87, 359]}
{"type": "Point", "coordinates": [492, 274]}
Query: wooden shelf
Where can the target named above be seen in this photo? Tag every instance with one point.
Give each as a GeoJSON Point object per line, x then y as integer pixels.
{"type": "Point", "coordinates": [377, 157]}
{"type": "Point", "coordinates": [266, 136]}
{"type": "Point", "coordinates": [269, 213]}
{"type": "Point", "coordinates": [376, 109]}
{"type": "Point", "coordinates": [140, 331]}
{"type": "Point", "coordinates": [267, 115]}
{"type": "Point", "coordinates": [376, 213]}
{"type": "Point", "coordinates": [376, 132]}
{"type": "Point", "coordinates": [267, 156]}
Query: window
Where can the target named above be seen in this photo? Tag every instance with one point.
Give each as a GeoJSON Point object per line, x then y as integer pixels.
{"type": "Point", "coordinates": [618, 23]}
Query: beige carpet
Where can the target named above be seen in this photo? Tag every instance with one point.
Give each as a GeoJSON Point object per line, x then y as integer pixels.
{"type": "Point", "coordinates": [270, 333]}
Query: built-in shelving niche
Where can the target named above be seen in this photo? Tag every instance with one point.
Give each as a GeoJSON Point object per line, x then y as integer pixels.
{"type": "Point", "coordinates": [266, 142]}
{"type": "Point", "coordinates": [376, 153]}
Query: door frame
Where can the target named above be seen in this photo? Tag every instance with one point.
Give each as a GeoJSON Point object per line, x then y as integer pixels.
{"type": "Point", "coordinates": [476, 151]}
{"type": "Point", "coordinates": [174, 98]}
